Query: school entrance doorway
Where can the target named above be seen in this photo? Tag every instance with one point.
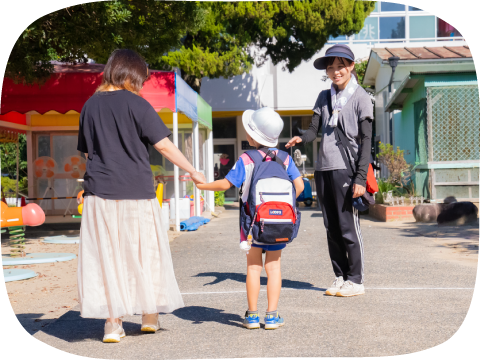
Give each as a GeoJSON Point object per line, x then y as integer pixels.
{"type": "Point", "coordinates": [224, 157]}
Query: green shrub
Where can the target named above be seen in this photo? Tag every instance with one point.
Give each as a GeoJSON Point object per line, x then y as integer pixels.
{"type": "Point", "coordinates": [400, 173]}
{"type": "Point", "coordinates": [9, 186]}
{"type": "Point", "coordinates": [219, 198]}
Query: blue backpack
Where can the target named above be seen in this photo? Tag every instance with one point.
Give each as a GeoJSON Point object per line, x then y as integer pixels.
{"type": "Point", "coordinates": [270, 214]}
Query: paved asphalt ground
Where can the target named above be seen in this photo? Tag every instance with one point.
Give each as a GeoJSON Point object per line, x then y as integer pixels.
{"type": "Point", "coordinates": [416, 297]}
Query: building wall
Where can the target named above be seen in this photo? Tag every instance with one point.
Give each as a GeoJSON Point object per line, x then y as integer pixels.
{"type": "Point", "coordinates": [271, 86]}
{"type": "Point", "coordinates": [402, 71]}
{"type": "Point", "coordinates": [404, 123]}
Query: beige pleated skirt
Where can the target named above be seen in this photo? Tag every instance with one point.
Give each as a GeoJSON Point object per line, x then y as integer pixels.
{"type": "Point", "coordinates": [124, 261]}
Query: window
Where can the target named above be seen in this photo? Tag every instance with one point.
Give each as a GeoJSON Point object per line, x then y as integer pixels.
{"type": "Point", "coordinates": [286, 127]}
{"type": "Point", "coordinates": [300, 124]}
{"type": "Point", "coordinates": [185, 144]}
{"type": "Point", "coordinates": [422, 27]}
{"type": "Point", "coordinates": [162, 169]}
{"type": "Point", "coordinates": [296, 126]}
{"type": "Point", "coordinates": [429, 5]}
{"type": "Point", "coordinates": [392, 27]}
{"type": "Point", "coordinates": [369, 31]}
{"type": "Point", "coordinates": [61, 147]}
{"type": "Point", "coordinates": [449, 27]}
{"type": "Point", "coordinates": [224, 128]}
{"type": "Point", "coordinates": [376, 6]}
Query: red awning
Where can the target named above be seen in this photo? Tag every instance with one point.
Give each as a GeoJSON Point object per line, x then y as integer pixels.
{"type": "Point", "coordinates": [70, 86]}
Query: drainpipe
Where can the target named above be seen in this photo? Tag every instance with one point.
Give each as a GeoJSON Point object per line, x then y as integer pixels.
{"type": "Point", "coordinates": [393, 61]}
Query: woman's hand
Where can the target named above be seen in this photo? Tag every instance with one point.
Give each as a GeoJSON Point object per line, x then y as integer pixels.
{"type": "Point", "coordinates": [293, 141]}
{"type": "Point", "coordinates": [198, 178]}
{"type": "Point", "coordinates": [358, 190]}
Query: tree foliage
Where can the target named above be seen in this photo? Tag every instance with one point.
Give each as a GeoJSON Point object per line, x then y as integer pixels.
{"type": "Point", "coordinates": [92, 31]}
{"type": "Point", "coordinates": [288, 32]}
{"type": "Point", "coordinates": [204, 39]}
{"type": "Point", "coordinates": [360, 68]}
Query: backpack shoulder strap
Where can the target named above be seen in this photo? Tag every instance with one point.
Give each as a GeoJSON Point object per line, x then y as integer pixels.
{"type": "Point", "coordinates": [272, 155]}
{"type": "Point", "coordinates": [255, 156]}
{"type": "Point", "coordinates": [282, 155]}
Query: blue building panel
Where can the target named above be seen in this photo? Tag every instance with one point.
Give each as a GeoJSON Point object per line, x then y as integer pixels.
{"type": "Point", "coordinates": [186, 99]}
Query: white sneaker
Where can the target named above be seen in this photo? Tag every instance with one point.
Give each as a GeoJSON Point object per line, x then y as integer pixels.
{"type": "Point", "coordinates": [113, 332]}
{"type": "Point", "coordinates": [351, 289]}
{"type": "Point", "coordinates": [150, 323]}
{"type": "Point", "coordinates": [337, 284]}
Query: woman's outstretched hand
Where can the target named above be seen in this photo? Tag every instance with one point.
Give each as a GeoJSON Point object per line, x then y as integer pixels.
{"type": "Point", "coordinates": [293, 141]}
{"type": "Point", "coordinates": [198, 178]}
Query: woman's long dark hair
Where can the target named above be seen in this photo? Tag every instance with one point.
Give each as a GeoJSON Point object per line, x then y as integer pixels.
{"type": "Point", "coordinates": [125, 69]}
{"type": "Point", "coordinates": [345, 62]}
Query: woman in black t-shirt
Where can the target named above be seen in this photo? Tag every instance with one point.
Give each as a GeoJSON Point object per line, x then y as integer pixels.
{"type": "Point", "coordinates": [124, 262]}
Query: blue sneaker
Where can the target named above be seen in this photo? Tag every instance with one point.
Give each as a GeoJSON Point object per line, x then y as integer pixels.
{"type": "Point", "coordinates": [251, 321]}
{"type": "Point", "coordinates": [273, 320]}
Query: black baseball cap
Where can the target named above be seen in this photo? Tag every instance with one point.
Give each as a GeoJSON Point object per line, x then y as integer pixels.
{"type": "Point", "coordinates": [338, 50]}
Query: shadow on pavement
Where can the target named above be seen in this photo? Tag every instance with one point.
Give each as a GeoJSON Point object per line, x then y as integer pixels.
{"type": "Point", "coordinates": [201, 314]}
{"type": "Point", "coordinates": [72, 328]}
{"type": "Point", "coordinates": [461, 237]}
{"type": "Point", "coordinates": [291, 284]}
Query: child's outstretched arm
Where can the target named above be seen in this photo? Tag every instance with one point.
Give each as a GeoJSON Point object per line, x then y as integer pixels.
{"type": "Point", "coordinates": [219, 185]}
{"type": "Point", "coordinates": [299, 185]}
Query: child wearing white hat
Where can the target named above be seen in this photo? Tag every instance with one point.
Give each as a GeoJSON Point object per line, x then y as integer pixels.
{"type": "Point", "coordinates": [263, 128]}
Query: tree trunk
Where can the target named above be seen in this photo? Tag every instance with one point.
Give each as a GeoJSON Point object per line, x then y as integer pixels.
{"type": "Point", "coordinates": [194, 82]}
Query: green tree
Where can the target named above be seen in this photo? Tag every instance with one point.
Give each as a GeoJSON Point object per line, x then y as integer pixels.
{"type": "Point", "coordinates": [204, 39]}
{"type": "Point", "coordinates": [285, 31]}
{"type": "Point", "coordinates": [92, 31]}
{"type": "Point", "coordinates": [361, 67]}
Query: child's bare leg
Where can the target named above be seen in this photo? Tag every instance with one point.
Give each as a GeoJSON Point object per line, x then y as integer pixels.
{"type": "Point", "coordinates": [254, 270]}
{"type": "Point", "coordinates": [274, 274]}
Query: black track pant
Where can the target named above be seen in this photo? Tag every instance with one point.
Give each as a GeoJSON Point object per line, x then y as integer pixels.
{"type": "Point", "coordinates": [345, 243]}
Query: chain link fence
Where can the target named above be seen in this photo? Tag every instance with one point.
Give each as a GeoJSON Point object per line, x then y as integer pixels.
{"type": "Point", "coordinates": [453, 123]}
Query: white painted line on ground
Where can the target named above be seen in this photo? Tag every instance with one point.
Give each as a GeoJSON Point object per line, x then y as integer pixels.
{"type": "Point", "coordinates": [320, 289]}
{"type": "Point", "coordinates": [419, 288]}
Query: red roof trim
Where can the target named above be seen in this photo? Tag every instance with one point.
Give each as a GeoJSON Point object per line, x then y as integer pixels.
{"type": "Point", "coordinates": [70, 86]}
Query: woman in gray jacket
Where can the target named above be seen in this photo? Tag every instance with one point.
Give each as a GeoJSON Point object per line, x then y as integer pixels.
{"type": "Point", "coordinates": [345, 108]}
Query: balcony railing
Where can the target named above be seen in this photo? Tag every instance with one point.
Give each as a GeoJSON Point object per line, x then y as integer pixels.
{"type": "Point", "coordinates": [373, 33]}
{"type": "Point", "coordinates": [400, 41]}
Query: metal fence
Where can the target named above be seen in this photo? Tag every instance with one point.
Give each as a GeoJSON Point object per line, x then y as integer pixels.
{"type": "Point", "coordinates": [453, 136]}
{"type": "Point", "coordinates": [453, 123]}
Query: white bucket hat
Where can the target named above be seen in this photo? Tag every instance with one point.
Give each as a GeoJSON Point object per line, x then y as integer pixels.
{"type": "Point", "coordinates": [263, 125]}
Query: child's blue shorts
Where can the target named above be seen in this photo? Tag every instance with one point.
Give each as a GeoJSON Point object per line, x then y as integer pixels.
{"type": "Point", "coordinates": [271, 247]}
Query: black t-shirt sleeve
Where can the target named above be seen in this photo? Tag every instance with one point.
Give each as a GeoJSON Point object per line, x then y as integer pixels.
{"type": "Point", "coordinates": [152, 128]}
{"type": "Point", "coordinates": [82, 144]}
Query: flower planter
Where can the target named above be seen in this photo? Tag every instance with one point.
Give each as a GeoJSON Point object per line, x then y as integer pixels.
{"type": "Point", "coordinates": [391, 213]}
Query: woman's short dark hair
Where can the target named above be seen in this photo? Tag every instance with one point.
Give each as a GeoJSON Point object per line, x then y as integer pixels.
{"type": "Point", "coordinates": [345, 62]}
{"type": "Point", "coordinates": [125, 69]}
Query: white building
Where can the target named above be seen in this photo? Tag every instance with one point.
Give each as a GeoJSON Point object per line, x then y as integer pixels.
{"type": "Point", "coordinates": [293, 94]}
